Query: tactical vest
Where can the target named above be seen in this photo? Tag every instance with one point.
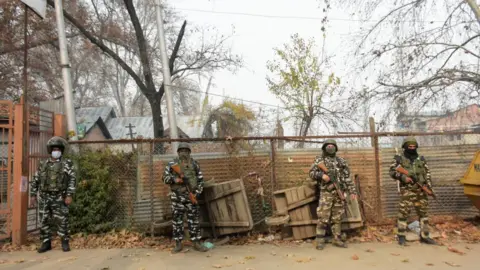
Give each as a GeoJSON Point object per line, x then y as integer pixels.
{"type": "Point", "coordinates": [52, 177]}
{"type": "Point", "coordinates": [188, 169]}
{"type": "Point", "coordinates": [415, 168]}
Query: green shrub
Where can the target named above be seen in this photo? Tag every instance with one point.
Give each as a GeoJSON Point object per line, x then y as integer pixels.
{"type": "Point", "coordinates": [95, 207]}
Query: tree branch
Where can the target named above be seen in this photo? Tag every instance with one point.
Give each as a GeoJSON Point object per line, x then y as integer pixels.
{"type": "Point", "coordinates": [33, 44]}
{"type": "Point", "coordinates": [102, 46]}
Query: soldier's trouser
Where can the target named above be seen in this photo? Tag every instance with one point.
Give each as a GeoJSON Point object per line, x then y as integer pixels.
{"type": "Point", "coordinates": [53, 210]}
{"type": "Point", "coordinates": [329, 211]}
{"type": "Point", "coordinates": [408, 200]}
{"type": "Point", "coordinates": [180, 204]}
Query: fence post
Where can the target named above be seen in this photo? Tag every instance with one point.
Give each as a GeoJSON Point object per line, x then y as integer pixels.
{"type": "Point", "coordinates": [273, 171]}
{"type": "Point", "coordinates": [152, 214]}
{"type": "Point", "coordinates": [20, 181]}
{"type": "Point", "coordinates": [377, 169]}
{"type": "Point", "coordinates": [59, 128]}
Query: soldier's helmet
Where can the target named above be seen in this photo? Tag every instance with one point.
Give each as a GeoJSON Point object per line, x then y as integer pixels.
{"type": "Point", "coordinates": [409, 140]}
{"type": "Point", "coordinates": [57, 141]}
{"type": "Point", "coordinates": [330, 141]}
{"type": "Point", "coordinates": [184, 145]}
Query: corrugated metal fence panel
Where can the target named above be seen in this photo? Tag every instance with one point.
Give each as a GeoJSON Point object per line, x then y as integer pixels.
{"type": "Point", "coordinates": [447, 165]}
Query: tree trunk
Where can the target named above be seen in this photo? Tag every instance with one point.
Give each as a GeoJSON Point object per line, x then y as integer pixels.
{"type": "Point", "coordinates": [157, 121]}
{"type": "Point", "coordinates": [304, 131]}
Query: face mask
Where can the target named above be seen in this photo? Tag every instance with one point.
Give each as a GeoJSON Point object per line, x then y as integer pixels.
{"type": "Point", "coordinates": [411, 151]}
{"type": "Point", "coordinates": [56, 154]}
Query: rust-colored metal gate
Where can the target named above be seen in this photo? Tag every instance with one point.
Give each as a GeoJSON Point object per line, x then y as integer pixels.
{"type": "Point", "coordinates": [39, 130]}
{"type": "Point", "coordinates": [6, 168]}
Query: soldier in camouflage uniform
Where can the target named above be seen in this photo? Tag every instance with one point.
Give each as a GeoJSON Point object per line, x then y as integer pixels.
{"type": "Point", "coordinates": [179, 196]}
{"type": "Point", "coordinates": [412, 194]}
{"type": "Point", "coordinates": [331, 207]}
{"type": "Point", "coordinates": [55, 182]}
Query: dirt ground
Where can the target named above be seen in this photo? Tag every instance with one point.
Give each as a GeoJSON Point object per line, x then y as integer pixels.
{"type": "Point", "coordinates": [254, 257]}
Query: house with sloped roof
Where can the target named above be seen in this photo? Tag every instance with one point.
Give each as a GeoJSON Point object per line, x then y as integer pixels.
{"type": "Point", "coordinates": [100, 123]}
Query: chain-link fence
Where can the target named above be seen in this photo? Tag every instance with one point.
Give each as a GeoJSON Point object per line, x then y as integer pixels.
{"type": "Point", "coordinates": [268, 164]}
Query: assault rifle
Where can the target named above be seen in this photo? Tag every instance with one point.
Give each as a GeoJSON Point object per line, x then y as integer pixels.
{"type": "Point", "coordinates": [176, 169]}
{"type": "Point", "coordinates": [424, 188]}
{"type": "Point", "coordinates": [334, 181]}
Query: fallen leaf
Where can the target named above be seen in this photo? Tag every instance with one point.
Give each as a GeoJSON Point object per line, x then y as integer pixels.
{"type": "Point", "coordinates": [225, 257]}
{"type": "Point", "coordinates": [452, 264]}
{"type": "Point", "coordinates": [395, 254]}
{"type": "Point", "coordinates": [273, 253]}
{"type": "Point", "coordinates": [469, 248]}
{"type": "Point", "coordinates": [67, 259]}
{"type": "Point", "coordinates": [217, 266]}
{"type": "Point", "coordinates": [429, 264]}
{"type": "Point", "coordinates": [454, 250]}
{"type": "Point", "coordinates": [141, 268]}
{"type": "Point", "coordinates": [3, 261]}
{"type": "Point", "coordinates": [250, 269]}
{"type": "Point", "coordinates": [241, 262]}
{"type": "Point", "coordinates": [444, 235]}
{"type": "Point", "coordinates": [148, 254]}
{"type": "Point", "coordinates": [249, 257]}
{"type": "Point", "coordinates": [105, 268]}
{"type": "Point", "coordinates": [355, 257]}
{"type": "Point", "coordinates": [209, 255]}
{"type": "Point", "coordinates": [19, 261]}
{"type": "Point", "coordinates": [304, 260]}
{"type": "Point", "coordinates": [405, 260]}
{"type": "Point", "coordinates": [369, 250]}
{"type": "Point", "coordinates": [290, 255]}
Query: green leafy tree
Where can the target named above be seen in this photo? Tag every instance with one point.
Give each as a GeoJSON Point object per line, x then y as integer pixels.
{"type": "Point", "coordinates": [231, 119]}
{"type": "Point", "coordinates": [297, 77]}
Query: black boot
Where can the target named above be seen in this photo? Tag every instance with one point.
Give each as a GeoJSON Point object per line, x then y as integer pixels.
{"type": "Point", "coordinates": [178, 247]}
{"type": "Point", "coordinates": [428, 241]}
{"type": "Point", "coordinates": [320, 243]}
{"type": "Point", "coordinates": [339, 243]}
{"type": "Point", "coordinates": [402, 240]}
{"type": "Point", "coordinates": [65, 245]}
{"type": "Point", "coordinates": [199, 247]}
{"type": "Point", "coordinates": [46, 246]}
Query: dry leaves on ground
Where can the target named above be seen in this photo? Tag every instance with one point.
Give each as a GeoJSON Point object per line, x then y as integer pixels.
{"type": "Point", "coordinates": [355, 257]}
{"type": "Point", "coordinates": [304, 260]}
{"type": "Point", "coordinates": [395, 254]}
{"type": "Point", "coordinates": [454, 250]}
{"type": "Point", "coordinates": [452, 264]}
{"type": "Point", "coordinates": [429, 264]}
{"type": "Point", "coordinates": [369, 250]}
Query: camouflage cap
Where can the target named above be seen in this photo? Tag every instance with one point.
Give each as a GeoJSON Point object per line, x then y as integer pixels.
{"type": "Point", "coordinates": [330, 141]}
{"type": "Point", "coordinates": [57, 141]}
{"type": "Point", "coordinates": [184, 145]}
{"type": "Point", "coordinates": [409, 140]}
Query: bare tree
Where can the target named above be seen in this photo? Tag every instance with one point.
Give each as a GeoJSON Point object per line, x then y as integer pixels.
{"type": "Point", "coordinates": [184, 60]}
{"type": "Point", "coordinates": [431, 58]}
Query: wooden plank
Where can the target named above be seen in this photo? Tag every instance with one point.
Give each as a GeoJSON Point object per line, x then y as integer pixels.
{"type": "Point", "coordinates": [225, 193]}
{"type": "Point", "coordinates": [301, 196]}
{"type": "Point", "coordinates": [302, 222]}
{"type": "Point", "coordinates": [300, 203]}
{"type": "Point", "coordinates": [227, 224]}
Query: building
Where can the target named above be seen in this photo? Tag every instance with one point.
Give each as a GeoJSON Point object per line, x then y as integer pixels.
{"type": "Point", "coordinates": [464, 119]}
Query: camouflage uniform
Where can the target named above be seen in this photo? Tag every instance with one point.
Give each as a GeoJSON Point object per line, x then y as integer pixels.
{"type": "Point", "coordinates": [179, 196]}
{"type": "Point", "coordinates": [54, 180]}
{"type": "Point", "coordinates": [331, 207]}
{"type": "Point", "coordinates": [411, 194]}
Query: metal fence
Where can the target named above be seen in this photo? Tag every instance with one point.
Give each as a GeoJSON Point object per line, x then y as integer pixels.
{"type": "Point", "coordinates": [278, 164]}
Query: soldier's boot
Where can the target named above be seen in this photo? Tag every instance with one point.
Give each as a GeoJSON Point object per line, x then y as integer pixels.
{"type": "Point", "coordinates": [320, 243]}
{"type": "Point", "coordinates": [339, 243]}
{"type": "Point", "coordinates": [428, 241]}
{"type": "Point", "coordinates": [46, 246]}
{"type": "Point", "coordinates": [199, 247]}
{"type": "Point", "coordinates": [65, 245]}
{"type": "Point", "coordinates": [178, 247]}
{"type": "Point", "coordinates": [402, 240]}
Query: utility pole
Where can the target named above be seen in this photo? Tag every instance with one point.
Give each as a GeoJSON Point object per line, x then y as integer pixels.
{"type": "Point", "coordinates": [167, 80]}
{"type": "Point", "coordinates": [130, 133]}
{"type": "Point", "coordinates": [67, 79]}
